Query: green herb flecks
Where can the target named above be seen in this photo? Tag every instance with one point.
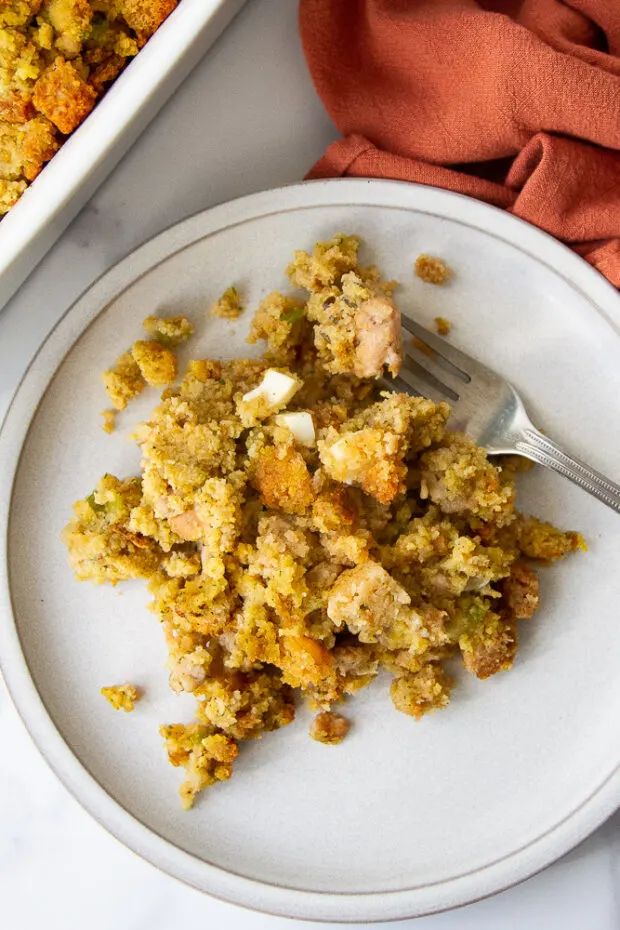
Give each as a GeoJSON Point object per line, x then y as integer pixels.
{"type": "Point", "coordinates": [292, 315]}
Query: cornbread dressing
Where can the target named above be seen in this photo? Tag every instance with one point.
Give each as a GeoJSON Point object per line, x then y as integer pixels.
{"type": "Point", "coordinates": [431, 269]}
{"type": "Point", "coordinates": [301, 531]}
{"type": "Point", "coordinates": [122, 697]}
{"type": "Point", "coordinates": [57, 57]}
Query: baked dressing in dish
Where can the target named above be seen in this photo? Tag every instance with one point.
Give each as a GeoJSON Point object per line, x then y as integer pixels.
{"type": "Point", "coordinates": [57, 57]}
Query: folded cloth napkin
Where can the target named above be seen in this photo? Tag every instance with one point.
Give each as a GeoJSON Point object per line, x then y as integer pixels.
{"type": "Point", "coordinates": [516, 102]}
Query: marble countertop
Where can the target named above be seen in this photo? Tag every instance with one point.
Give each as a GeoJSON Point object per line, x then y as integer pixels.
{"type": "Point", "coordinates": [247, 119]}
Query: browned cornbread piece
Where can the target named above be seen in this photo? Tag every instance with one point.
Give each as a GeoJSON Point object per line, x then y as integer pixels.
{"type": "Point", "coordinates": [145, 16]}
{"type": "Point", "coordinates": [63, 96]}
{"type": "Point", "coordinates": [282, 479]}
{"type": "Point", "coordinates": [432, 270]}
{"type": "Point", "coordinates": [329, 728]}
{"type": "Point", "coordinates": [157, 364]}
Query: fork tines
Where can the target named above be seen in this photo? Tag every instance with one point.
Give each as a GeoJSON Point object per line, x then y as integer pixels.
{"type": "Point", "coordinates": [431, 367]}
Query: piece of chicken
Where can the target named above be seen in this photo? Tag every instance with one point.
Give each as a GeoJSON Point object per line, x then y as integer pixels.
{"type": "Point", "coordinates": [378, 338]}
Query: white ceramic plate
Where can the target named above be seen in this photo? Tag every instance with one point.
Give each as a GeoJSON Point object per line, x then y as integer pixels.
{"type": "Point", "coordinates": [404, 818]}
{"type": "Point", "coordinates": [87, 157]}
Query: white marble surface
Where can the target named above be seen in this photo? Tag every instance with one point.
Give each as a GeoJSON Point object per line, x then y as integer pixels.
{"type": "Point", "coordinates": [246, 120]}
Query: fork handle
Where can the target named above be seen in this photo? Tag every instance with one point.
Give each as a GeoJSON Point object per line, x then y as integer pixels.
{"type": "Point", "coordinates": [539, 448]}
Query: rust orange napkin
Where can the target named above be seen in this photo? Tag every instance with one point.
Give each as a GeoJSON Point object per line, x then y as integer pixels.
{"type": "Point", "coordinates": [515, 103]}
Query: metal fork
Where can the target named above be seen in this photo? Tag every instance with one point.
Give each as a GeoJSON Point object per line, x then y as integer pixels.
{"type": "Point", "coordinates": [488, 409]}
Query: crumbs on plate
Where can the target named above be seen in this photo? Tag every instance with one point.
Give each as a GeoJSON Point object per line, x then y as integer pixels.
{"type": "Point", "coordinates": [443, 326]}
{"type": "Point", "coordinates": [228, 306]}
{"type": "Point", "coordinates": [122, 697]}
{"type": "Point", "coordinates": [431, 270]}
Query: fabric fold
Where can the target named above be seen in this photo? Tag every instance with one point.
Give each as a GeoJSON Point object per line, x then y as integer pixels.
{"type": "Point", "coordinates": [514, 103]}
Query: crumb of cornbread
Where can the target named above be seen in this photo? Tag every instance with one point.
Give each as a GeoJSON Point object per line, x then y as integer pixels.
{"type": "Point", "coordinates": [417, 694]}
{"type": "Point", "coordinates": [145, 16]}
{"type": "Point", "coordinates": [171, 331]}
{"type": "Point", "coordinates": [104, 544]}
{"type": "Point", "coordinates": [329, 728]}
{"type": "Point", "coordinates": [491, 646]}
{"type": "Point", "coordinates": [205, 755]}
{"type": "Point", "coordinates": [284, 561]}
{"type": "Point", "coordinates": [431, 270]}
{"type": "Point", "coordinates": [25, 146]}
{"type": "Point", "coordinates": [541, 540]}
{"type": "Point", "coordinates": [109, 420]}
{"type": "Point", "coordinates": [63, 96]}
{"type": "Point", "coordinates": [157, 364]}
{"type": "Point", "coordinates": [443, 326]}
{"type": "Point", "coordinates": [124, 381]}
{"type": "Point", "coordinates": [10, 192]}
{"type": "Point", "coordinates": [228, 306]}
{"type": "Point", "coordinates": [326, 264]}
{"type": "Point", "coordinates": [278, 322]}
{"type": "Point", "coordinates": [122, 697]}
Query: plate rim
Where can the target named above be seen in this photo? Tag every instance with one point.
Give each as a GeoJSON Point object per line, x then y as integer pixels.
{"type": "Point", "coordinates": [124, 826]}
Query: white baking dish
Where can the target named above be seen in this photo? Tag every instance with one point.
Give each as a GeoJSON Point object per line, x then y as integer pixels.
{"type": "Point", "coordinates": [87, 157]}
